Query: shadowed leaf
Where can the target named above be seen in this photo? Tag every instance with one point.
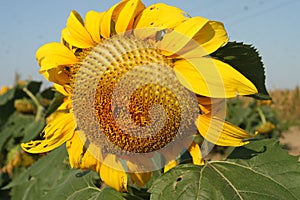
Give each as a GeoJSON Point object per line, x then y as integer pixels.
{"type": "Point", "coordinates": [269, 174]}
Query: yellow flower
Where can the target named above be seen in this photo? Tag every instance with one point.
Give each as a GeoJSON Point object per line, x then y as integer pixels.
{"type": "Point", "coordinates": [3, 90]}
{"type": "Point", "coordinates": [120, 44]}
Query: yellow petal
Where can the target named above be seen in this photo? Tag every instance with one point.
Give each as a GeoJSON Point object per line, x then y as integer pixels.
{"type": "Point", "coordinates": [92, 23]}
{"type": "Point", "coordinates": [89, 160]}
{"type": "Point", "coordinates": [64, 90]}
{"type": "Point", "coordinates": [75, 149]}
{"type": "Point", "coordinates": [66, 106]}
{"type": "Point", "coordinates": [219, 132]}
{"type": "Point", "coordinates": [212, 78]}
{"type": "Point", "coordinates": [211, 37]}
{"type": "Point", "coordinates": [170, 165]}
{"type": "Point", "coordinates": [57, 132]}
{"type": "Point", "coordinates": [108, 20]}
{"type": "Point", "coordinates": [138, 178]}
{"type": "Point", "coordinates": [127, 14]}
{"type": "Point", "coordinates": [212, 105]}
{"type": "Point", "coordinates": [159, 16]}
{"type": "Point", "coordinates": [3, 90]}
{"type": "Point", "coordinates": [195, 152]}
{"type": "Point", "coordinates": [182, 34]}
{"type": "Point", "coordinates": [57, 75]}
{"type": "Point", "coordinates": [92, 157]}
{"type": "Point", "coordinates": [112, 177]}
{"type": "Point", "coordinates": [54, 54]}
{"type": "Point", "coordinates": [75, 33]}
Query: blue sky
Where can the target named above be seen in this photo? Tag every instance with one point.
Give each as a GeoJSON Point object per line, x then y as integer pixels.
{"type": "Point", "coordinates": [270, 25]}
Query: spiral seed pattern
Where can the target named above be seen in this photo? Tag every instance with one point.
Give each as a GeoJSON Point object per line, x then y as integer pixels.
{"type": "Point", "coordinates": [127, 99]}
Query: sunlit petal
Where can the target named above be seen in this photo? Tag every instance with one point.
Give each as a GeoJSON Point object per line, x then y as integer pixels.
{"type": "Point", "coordinates": [75, 33]}
{"type": "Point", "coordinates": [212, 78]}
{"type": "Point", "coordinates": [54, 54]}
{"type": "Point", "coordinates": [108, 20]}
{"type": "Point", "coordinates": [126, 15]}
{"type": "Point", "coordinates": [219, 132]}
{"type": "Point", "coordinates": [208, 39]}
{"type": "Point", "coordinates": [92, 23]}
{"type": "Point", "coordinates": [170, 165]}
{"type": "Point", "coordinates": [158, 17]}
{"type": "Point", "coordinates": [182, 34]}
{"type": "Point", "coordinates": [195, 152]}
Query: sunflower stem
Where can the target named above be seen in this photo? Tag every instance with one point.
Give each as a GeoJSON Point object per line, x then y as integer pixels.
{"type": "Point", "coordinates": [40, 108]}
{"type": "Point", "coordinates": [261, 115]}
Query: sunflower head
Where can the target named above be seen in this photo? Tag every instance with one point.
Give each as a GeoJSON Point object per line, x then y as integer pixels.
{"type": "Point", "coordinates": [140, 87]}
{"type": "Point", "coordinates": [134, 102]}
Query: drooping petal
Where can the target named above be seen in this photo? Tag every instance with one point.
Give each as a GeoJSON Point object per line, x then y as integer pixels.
{"type": "Point", "coordinates": [195, 152]}
{"type": "Point", "coordinates": [57, 132]}
{"type": "Point", "coordinates": [113, 177]}
{"type": "Point", "coordinates": [92, 23]}
{"type": "Point", "coordinates": [158, 17]}
{"type": "Point", "coordinates": [219, 132]}
{"type": "Point", "coordinates": [81, 156]}
{"type": "Point", "coordinates": [170, 165]}
{"type": "Point", "coordinates": [138, 178]}
{"type": "Point", "coordinates": [75, 148]}
{"type": "Point", "coordinates": [54, 54]}
{"type": "Point", "coordinates": [88, 161]}
{"type": "Point", "coordinates": [212, 78]}
{"type": "Point", "coordinates": [75, 33]}
{"type": "Point", "coordinates": [125, 16]}
{"type": "Point", "coordinates": [92, 157]}
{"type": "Point", "coordinates": [182, 34]}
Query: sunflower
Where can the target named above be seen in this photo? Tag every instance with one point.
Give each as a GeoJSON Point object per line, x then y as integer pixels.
{"type": "Point", "coordinates": [3, 90]}
{"type": "Point", "coordinates": [138, 82]}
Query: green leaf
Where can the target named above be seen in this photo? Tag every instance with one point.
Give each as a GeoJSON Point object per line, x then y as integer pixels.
{"type": "Point", "coordinates": [269, 158]}
{"type": "Point", "coordinates": [110, 193]}
{"type": "Point", "coordinates": [260, 170]}
{"type": "Point", "coordinates": [5, 111]}
{"type": "Point", "coordinates": [55, 103]}
{"type": "Point", "coordinates": [14, 128]}
{"type": "Point", "coordinates": [33, 129]}
{"type": "Point", "coordinates": [32, 86]}
{"type": "Point", "coordinates": [48, 93]}
{"type": "Point", "coordinates": [78, 184]}
{"type": "Point", "coordinates": [137, 193]}
{"type": "Point", "coordinates": [7, 96]}
{"type": "Point", "coordinates": [44, 174]}
{"type": "Point", "coordinates": [75, 184]}
{"type": "Point", "coordinates": [245, 59]}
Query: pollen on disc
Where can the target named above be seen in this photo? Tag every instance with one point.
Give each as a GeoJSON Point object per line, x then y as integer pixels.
{"type": "Point", "coordinates": [127, 98]}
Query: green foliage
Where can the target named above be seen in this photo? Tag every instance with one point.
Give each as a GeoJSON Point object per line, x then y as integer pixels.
{"type": "Point", "coordinates": [76, 184]}
{"type": "Point", "coordinates": [22, 117]}
{"type": "Point", "coordinates": [260, 170]}
{"type": "Point", "coordinates": [250, 116]}
{"type": "Point", "coordinates": [40, 177]}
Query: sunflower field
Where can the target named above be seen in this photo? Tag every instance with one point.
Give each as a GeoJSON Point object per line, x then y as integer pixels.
{"type": "Point", "coordinates": [146, 103]}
